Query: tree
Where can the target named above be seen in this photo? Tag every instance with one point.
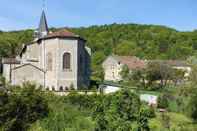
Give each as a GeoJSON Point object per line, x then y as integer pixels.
{"type": "Point", "coordinates": [163, 101]}
{"type": "Point", "coordinates": [159, 71]}
{"type": "Point", "coordinates": [125, 72]}
{"type": "Point", "coordinates": [143, 119]}
{"type": "Point", "coordinates": [192, 106]}
{"type": "Point", "coordinates": [140, 77]}
{"type": "Point", "coordinates": [118, 112]}
{"type": "Point", "coordinates": [21, 107]}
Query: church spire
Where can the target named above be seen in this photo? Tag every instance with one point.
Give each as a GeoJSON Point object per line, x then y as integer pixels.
{"type": "Point", "coordinates": [43, 27]}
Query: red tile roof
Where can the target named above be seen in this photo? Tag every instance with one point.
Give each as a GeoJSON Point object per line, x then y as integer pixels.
{"type": "Point", "coordinates": [131, 61]}
{"type": "Point", "coordinates": [62, 33]}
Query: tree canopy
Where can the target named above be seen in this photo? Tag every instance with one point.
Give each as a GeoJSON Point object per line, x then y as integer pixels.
{"type": "Point", "coordinates": [144, 41]}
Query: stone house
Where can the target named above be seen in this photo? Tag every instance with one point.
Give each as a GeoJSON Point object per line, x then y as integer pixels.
{"type": "Point", "coordinates": [113, 66]}
{"type": "Point", "coordinates": [57, 60]}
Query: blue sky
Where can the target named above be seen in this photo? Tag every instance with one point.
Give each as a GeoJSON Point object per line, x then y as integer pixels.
{"type": "Point", "coordinates": [22, 14]}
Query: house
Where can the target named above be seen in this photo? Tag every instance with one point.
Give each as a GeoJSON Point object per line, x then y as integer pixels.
{"type": "Point", "coordinates": [55, 60]}
{"type": "Point", "coordinates": [113, 66]}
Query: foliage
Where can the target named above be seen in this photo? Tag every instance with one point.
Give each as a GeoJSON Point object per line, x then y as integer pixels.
{"type": "Point", "coordinates": [144, 41]}
{"type": "Point", "coordinates": [11, 42]}
{"type": "Point", "coordinates": [143, 119]}
{"type": "Point", "coordinates": [156, 74]}
{"type": "Point", "coordinates": [121, 111]}
{"type": "Point", "coordinates": [63, 117]}
{"type": "Point", "coordinates": [176, 122]}
{"type": "Point", "coordinates": [21, 107]}
{"type": "Point", "coordinates": [163, 101]}
{"type": "Point", "coordinates": [125, 72]}
{"type": "Point", "coordinates": [81, 101]}
{"type": "Point", "coordinates": [192, 105]}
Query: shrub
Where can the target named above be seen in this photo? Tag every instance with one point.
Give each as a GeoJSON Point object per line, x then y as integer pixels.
{"type": "Point", "coordinates": [192, 105]}
{"type": "Point", "coordinates": [120, 111]}
{"type": "Point", "coordinates": [163, 101]}
{"type": "Point", "coordinates": [24, 106]}
{"type": "Point", "coordinates": [144, 114]}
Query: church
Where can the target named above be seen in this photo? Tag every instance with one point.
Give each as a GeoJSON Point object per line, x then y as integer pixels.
{"type": "Point", "coordinates": [57, 60]}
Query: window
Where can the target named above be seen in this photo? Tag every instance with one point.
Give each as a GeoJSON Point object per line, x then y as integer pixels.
{"type": "Point", "coordinates": [66, 60]}
{"type": "Point", "coordinates": [49, 61]}
{"type": "Point", "coordinates": [61, 88]}
{"type": "Point", "coordinates": [66, 88]}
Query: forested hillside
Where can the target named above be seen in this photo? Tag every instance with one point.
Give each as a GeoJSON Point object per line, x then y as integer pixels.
{"type": "Point", "coordinates": [144, 41]}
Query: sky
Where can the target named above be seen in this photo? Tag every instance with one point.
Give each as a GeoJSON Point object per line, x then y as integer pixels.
{"type": "Point", "coordinates": [24, 14]}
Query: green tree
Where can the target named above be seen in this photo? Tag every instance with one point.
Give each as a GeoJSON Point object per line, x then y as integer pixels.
{"type": "Point", "coordinates": [118, 112]}
{"type": "Point", "coordinates": [21, 107]}
{"type": "Point", "coordinates": [192, 106]}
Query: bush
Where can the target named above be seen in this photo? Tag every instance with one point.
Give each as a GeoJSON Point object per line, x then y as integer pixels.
{"type": "Point", "coordinates": [23, 106]}
{"type": "Point", "coordinates": [81, 101]}
{"type": "Point", "coordinates": [143, 119]}
{"type": "Point", "coordinates": [120, 111]}
{"type": "Point", "coordinates": [192, 105]}
{"type": "Point", "coordinates": [163, 101]}
{"type": "Point", "coordinates": [63, 117]}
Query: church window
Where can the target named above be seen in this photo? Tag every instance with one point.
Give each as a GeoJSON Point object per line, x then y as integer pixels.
{"type": "Point", "coordinates": [61, 88]}
{"type": "Point", "coordinates": [66, 88]}
{"type": "Point", "coordinates": [49, 61]}
{"type": "Point", "coordinates": [66, 61]}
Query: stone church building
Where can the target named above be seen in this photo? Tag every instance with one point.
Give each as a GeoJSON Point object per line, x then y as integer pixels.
{"type": "Point", "coordinates": [57, 61]}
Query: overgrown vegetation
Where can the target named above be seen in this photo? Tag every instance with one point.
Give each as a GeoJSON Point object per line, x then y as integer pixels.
{"type": "Point", "coordinates": [20, 107]}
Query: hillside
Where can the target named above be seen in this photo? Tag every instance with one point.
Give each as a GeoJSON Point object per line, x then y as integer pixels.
{"type": "Point", "coordinates": [144, 41]}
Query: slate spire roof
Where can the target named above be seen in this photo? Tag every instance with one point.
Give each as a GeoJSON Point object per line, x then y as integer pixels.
{"type": "Point", "coordinates": [43, 26]}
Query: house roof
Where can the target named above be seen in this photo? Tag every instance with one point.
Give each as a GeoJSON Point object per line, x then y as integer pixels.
{"type": "Point", "coordinates": [132, 62]}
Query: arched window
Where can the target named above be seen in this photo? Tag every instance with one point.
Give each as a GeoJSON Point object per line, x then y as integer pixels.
{"type": "Point", "coordinates": [66, 60]}
{"type": "Point", "coordinates": [53, 88]}
{"type": "Point", "coordinates": [66, 88]}
{"type": "Point", "coordinates": [61, 88]}
{"type": "Point", "coordinates": [49, 61]}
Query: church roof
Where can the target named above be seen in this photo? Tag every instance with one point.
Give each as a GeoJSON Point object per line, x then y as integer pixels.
{"type": "Point", "coordinates": [43, 26]}
{"type": "Point", "coordinates": [63, 33]}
